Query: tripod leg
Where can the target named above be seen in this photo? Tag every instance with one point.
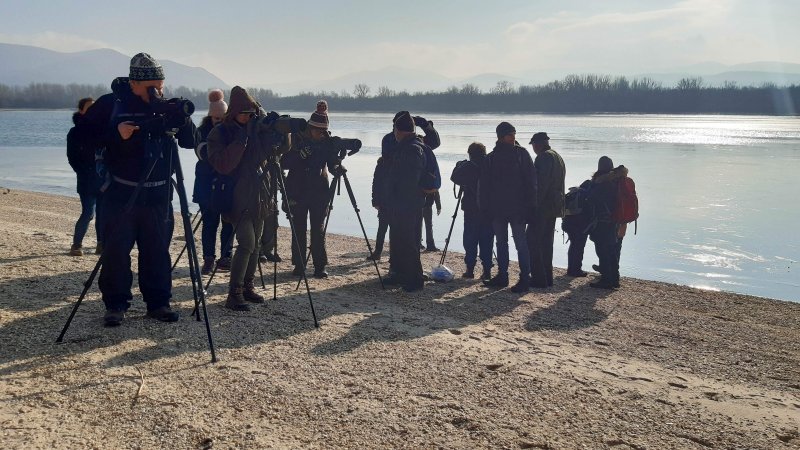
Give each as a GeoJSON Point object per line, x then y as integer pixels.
{"type": "Point", "coordinates": [86, 287]}
{"type": "Point", "coordinates": [261, 274]}
{"type": "Point", "coordinates": [194, 230]}
{"type": "Point", "coordinates": [358, 215]}
{"type": "Point", "coordinates": [282, 187]}
{"type": "Point", "coordinates": [450, 233]}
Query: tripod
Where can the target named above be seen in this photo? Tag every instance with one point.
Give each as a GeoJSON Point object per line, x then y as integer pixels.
{"type": "Point", "coordinates": [199, 294]}
{"type": "Point", "coordinates": [450, 233]}
{"type": "Point", "coordinates": [196, 221]}
{"type": "Point", "coordinates": [332, 192]}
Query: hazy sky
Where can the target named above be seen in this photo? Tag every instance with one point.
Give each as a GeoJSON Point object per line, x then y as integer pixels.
{"type": "Point", "coordinates": [258, 42]}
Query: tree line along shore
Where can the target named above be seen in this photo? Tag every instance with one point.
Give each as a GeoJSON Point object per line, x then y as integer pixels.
{"type": "Point", "coordinates": [571, 95]}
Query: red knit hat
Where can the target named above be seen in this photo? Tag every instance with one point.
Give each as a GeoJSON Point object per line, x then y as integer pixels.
{"type": "Point", "coordinates": [319, 118]}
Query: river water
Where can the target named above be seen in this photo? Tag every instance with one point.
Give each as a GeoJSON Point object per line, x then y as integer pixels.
{"type": "Point", "coordinates": [718, 194]}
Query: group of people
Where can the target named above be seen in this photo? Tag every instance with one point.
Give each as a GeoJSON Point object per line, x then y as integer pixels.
{"type": "Point", "coordinates": [124, 156]}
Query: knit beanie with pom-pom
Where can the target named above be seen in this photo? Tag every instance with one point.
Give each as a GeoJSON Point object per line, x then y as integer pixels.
{"type": "Point", "coordinates": [319, 118]}
{"type": "Point", "coordinates": [216, 104]}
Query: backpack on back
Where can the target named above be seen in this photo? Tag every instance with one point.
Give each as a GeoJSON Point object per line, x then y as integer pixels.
{"type": "Point", "coordinates": [431, 179]}
{"type": "Point", "coordinates": [627, 208]}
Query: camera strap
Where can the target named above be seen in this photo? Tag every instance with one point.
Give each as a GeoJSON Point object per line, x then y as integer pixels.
{"type": "Point", "coordinates": [147, 184]}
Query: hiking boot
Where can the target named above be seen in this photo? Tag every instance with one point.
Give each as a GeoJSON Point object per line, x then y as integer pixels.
{"type": "Point", "coordinates": [164, 314]}
{"type": "Point", "coordinates": [208, 266]}
{"type": "Point", "coordinates": [249, 292]}
{"type": "Point", "coordinates": [603, 285]}
{"type": "Point", "coordinates": [320, 273]}
{"type": "Point", "coordinates": [487, 273]}
{"type": "Point", "coordinates": [499, 281]}
{"type": "Point", "coordinates": [298, 271]}
{"type": "Point", "coordinates": [273, 257]}
{"type": "Point", "coordinates": [523, 285]}
{"type": "Point", "coordinates": [114, 318]}
{"type": "Point", "coordinates": [578, 274]}
{"type": "Point", "coordinates": [75, 250]}
{"type": "Point", "coordinates": [235, 300]}
{"type": "Point", "coordinates": [469, 274]}
{"type": "Point", "coordinates": [224, 264]}
{"type": "Point", "coordinates": [99, 249]}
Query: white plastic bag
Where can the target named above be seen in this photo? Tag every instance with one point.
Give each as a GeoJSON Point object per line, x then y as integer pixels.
{"type": "Point", "coordinates": [442, 273]}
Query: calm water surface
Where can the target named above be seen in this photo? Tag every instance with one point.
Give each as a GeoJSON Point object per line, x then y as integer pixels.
{"type": "Point", "coordinates": [718, 194]}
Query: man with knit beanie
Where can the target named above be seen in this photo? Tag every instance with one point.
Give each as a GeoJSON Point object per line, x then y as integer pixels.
{"type": "Point", "coordinates": [240, 147]}
{"type": "Point", "coordinates": [314, 153]}
{"type": "Point", "coordinates": [405, 199]}
{"type": "Point", "coordinates": [132, 147]}
{"type": "Point", "coordinates": [204, 176]}
{"type": "Point", "coordinates": [507, 195]}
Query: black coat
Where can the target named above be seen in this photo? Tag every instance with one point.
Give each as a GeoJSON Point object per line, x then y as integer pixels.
{"type": "Point", "coordinates": [431, 139]}
{"type": "Point", "coordinates": [80, 154]}
{"type": "Point", "coordinates": [203, 172]}
{"type": "Point", "coordinates": [308, 163]}
{"type": "Point", "coordinates": [403, 191]}
{"type": "Point", "coordinates": [379, 179]}
{"type": "Point", "coordinates": [466, 175]}
{"type": "Point", "coordinates": [507, 187]}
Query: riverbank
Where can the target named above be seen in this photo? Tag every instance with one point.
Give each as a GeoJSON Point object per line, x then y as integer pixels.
{"type": "Point", "coordinates": [651, 365]}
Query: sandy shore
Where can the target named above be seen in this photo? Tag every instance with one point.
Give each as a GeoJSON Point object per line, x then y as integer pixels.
{"type": "Point", "coordinates": [651, 365]}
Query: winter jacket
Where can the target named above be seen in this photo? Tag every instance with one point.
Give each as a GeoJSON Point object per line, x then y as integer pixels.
{"type": "Point", "coordinates": [80, 155]}
{"type": "Point", "coordinates": [308, 163]}
{"type": "Point", "coordinates": [379, 178]}
{"type": "Point", "coordinates": [128, 160]}
{"type": "Point", "coordinates": [507, 186]}
{"type": "Point", "coordinates": [203, 172]}
{"type": "Point", "coordinates": [231, 151]}
{"type": "Point", "coordinates": [550, 175]}
{"type": "Point", "coordinates": [466, 175]}
{"type": "Point", "coordinates": [431, 139]}
{"type": "Point", "coordinates": [602, 198]}
{"type": "Point", "coordinates": [407, 164]}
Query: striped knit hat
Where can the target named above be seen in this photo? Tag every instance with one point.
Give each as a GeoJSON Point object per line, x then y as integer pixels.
{"type": "Point", "coordinates": [145, 68]}
{"type": "Point", "coordinates": [319, 118]}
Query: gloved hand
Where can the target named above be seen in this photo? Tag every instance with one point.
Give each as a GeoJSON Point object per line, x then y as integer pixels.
{"type": "Point", "coordinates": [305, 152]}
{"type": "Point", "coordinates": [420, 122]}
{"type": "Point", "coordinates": [356, 147]}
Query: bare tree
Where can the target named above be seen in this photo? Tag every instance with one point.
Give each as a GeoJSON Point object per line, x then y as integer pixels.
{"type": "Point", "coordinates": [361, 90]}
{"type": "Point", "coordinates": [384, 91]}
{"type": "Point", "coordinates": [503, 88]}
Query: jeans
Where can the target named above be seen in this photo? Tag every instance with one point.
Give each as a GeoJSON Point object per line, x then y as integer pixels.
{"type": "Point", "coordinates": [211, 220]}
{"type": "Point", "coordinates": [478, 234]}
{"type": "Point", "coordinates": [88, 202]}
{"type": "Point", "coordinates": [500, 227]}
{"type": "Point", "coordinates": [541, 232]}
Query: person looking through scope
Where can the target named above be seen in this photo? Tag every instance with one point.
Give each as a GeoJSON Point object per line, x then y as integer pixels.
{"type": "Point", "coordinates": [240, 148]}
{"type": "Point", "coordinates": [314, 152]}
{"type": "Point", "coordinates": [140, 149]}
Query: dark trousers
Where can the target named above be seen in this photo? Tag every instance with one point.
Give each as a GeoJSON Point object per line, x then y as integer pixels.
{"type": "Point", "coordinates": [500, 227]}
{"type": "Point", "coordinates": [577, 243]}
{"type": "Point", "coordinates": [301, 213]}
{"type": "Point", "coordinates": [608, 248]}
{"type": "Point", "coordinates": [268, 235]}
{"type": "Point", "coordinates": [149, 228]}
{"type": "Point", "coordinates": [88, 202]}
{"type": "Point", "coordinates": [211, 220]}
{"type": "Point", "coordinates": [404, 249]}
{"type": "Point", "coordinates": [478, 234]}
{"type": "Point", "coordinates": [383, 226]}
{"type": "Point", "coordinates": [427, 216]}
{"type": "Point", "coordinates": [541, 232]}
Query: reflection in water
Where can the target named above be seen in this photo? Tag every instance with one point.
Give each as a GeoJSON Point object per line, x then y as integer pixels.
{"type": "Point", "coordinates": [718, 193]}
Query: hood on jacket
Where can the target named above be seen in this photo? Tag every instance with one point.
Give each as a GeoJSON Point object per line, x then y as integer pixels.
{"type": "Point", "coordinates": [614, 174]}
{"type": "Point", "coordinates": [120, 86]}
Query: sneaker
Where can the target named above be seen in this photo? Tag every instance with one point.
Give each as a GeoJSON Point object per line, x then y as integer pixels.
{"type": "Point", "coordinates": [469, 274]}
{"type": "Point", "coordinates": [114, 318]}
{"type": "Point", "coordinates": [208, 266]}
{"type": "Point", "coordinates": [320, 274]}
{"type": "Point", "coordinates": [523, 285]}
{"type": "Point", "coordinates": [99, 249]}
{"type": "Point", "coordinates": [499, 281]}
{"type": "Point", "coordinates": [164, 314]}
{"type": "Point", "coordinates": [75, 250]}
{"type": "Point", "coordinates": [224, 264]}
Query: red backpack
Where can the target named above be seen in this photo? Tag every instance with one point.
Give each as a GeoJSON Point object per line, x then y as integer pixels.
{"type": "Point", "coordinates": [627, 207]}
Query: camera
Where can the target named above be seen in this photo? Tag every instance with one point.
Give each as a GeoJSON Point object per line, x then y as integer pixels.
{"type": "Point", "coordinates": [282, 124]}
{"type": "Point", "coordinates": [169, 107]}
{"type": "Point", "coordinates": [345, 147]}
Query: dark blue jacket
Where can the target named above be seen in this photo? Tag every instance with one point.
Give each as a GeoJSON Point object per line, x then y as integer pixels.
{"type": "Point", "coordinates": [466, 175]}
{"type": "Point", "coordinates": [507, 188]}
{"type": "Point", "coordinates": [80, 154]}
{"type": "Point", "coordinates": [203, 172]}
{"type": "Point", "coordinates": [407, 162]}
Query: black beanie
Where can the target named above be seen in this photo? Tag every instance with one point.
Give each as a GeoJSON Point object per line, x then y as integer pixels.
{"type": "Point", "coordinates": [605, 164]}
{"type": "Point", "coordinates": [504, 129]}
{"type": "Point", "coordinates": [404, 122]}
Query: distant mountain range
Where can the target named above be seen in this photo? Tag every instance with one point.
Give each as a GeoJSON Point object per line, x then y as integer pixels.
{"type": "Point", "coordinates": [24, 64]}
